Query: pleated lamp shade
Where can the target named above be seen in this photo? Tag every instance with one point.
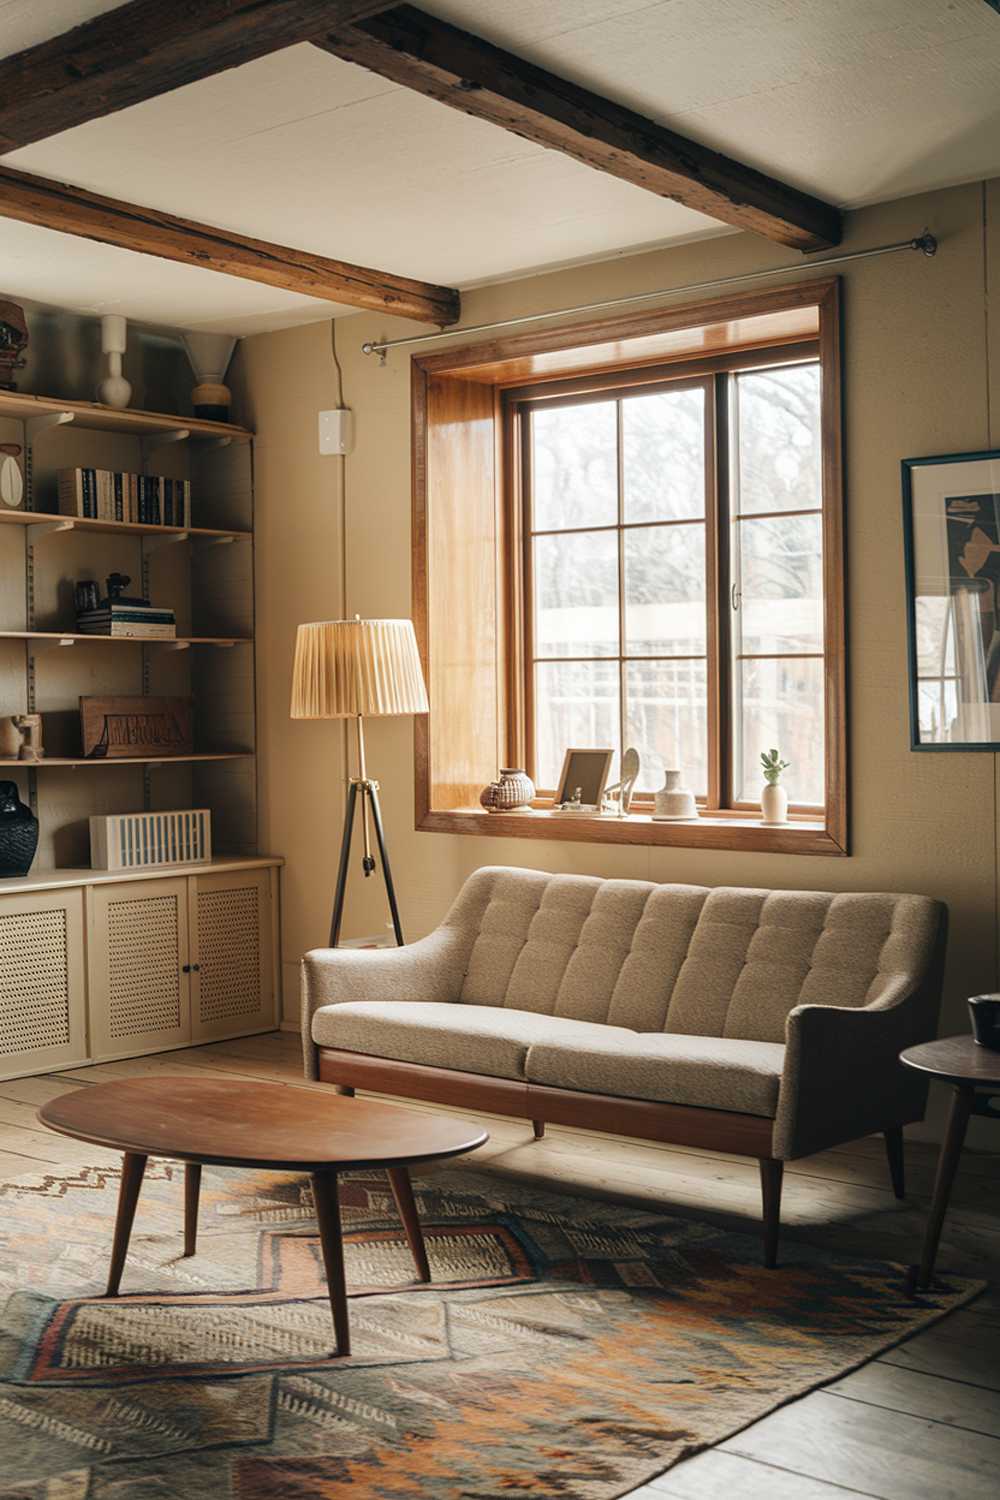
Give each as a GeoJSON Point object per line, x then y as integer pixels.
{"type": "Point", "coordinates": [346, 668]}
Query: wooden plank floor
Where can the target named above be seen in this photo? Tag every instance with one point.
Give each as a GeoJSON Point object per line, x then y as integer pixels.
{"type": "Point", "coordinates": [920, 1423]}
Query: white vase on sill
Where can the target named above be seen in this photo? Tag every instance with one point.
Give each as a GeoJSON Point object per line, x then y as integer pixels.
{"type": "Point", "coordinates": [773, 804]}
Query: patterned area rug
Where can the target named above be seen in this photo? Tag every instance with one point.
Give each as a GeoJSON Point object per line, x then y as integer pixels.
{"type": "Point", "coordinates": [567, 1348]}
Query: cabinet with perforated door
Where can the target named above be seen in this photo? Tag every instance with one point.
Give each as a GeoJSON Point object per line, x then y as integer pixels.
{"type": "Point", "coordinates": [180, 960]}
{"type": "Point", "coordinates": [43, 1020]}
{"type": "Point", "coordinates": [232, 954]}
{"type": "Point", "coordinates": [139, 970]}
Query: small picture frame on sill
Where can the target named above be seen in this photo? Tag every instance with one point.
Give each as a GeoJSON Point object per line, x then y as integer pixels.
{"type": "Point", "coordinates": [951, 533]}
{"type": "Point", "coordinates": [585, 772]}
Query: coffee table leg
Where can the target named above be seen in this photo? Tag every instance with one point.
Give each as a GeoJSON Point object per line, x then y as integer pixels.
{"type": "Point", "coordinates": [324, 1185]}
{"type": "Point", "coordinates": [128, 1196]}
{"type": "Point", "coordinates": [402, 1191]}
{"type": "Point", "coordinates": [951, 1149]}
{"type": "Point", "coordinates": [192, 1191]}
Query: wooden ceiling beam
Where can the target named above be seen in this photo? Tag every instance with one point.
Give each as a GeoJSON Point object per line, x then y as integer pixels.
{"type": "Point", "coordinates": [72, 210]}
{"type": "Point", "coordinates": [453, 66]}
{"type": "Point", "coordinates": [146, 48]}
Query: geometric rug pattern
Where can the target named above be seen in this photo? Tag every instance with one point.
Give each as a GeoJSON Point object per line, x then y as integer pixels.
{"type": "Point", "coordinates": [566, 1347]}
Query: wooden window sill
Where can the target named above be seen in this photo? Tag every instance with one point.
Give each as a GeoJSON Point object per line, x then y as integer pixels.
{"type": "Point", "coordinates": [799, 836]}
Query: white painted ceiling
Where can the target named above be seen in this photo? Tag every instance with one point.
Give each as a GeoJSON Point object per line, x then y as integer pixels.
{"type": "Point", "coordinates": [853, 100]}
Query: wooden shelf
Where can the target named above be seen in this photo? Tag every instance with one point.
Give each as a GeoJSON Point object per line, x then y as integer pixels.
{"type": "Point", "coordinates": [69, 524]}
{"type": "Point", "coordinates": [109, 419]}
{"type": "Point", "coordinates": [124, 760]}
{"type": "Point", "coordinates": [68, 638]}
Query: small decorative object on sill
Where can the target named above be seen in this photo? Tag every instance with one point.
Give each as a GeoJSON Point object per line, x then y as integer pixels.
{"type": "Point", "coordinates": [583, 779]}
{"type": "Point", "coordinates": [18, 832]}
{"type": "Point", "coordinates": [618, 798]}
{"type": "Point", "coordinates": [985, 1013]}
{"type": "Point", "coordinates": [114, 389]}
{"type": "Point", "coordinates": [773, 798]}
{"type": "Point", "coordinates": [210, 354]}
{"type": "Point", "coordinates": [122, 728]}
{"type": "Point", "coordinates": [513, 792]}
{"type": "Point", "coordinates": [13, 342]}
{"type": "Point", "coordinates": [11, 477]}
{"type": "Point", "coordinates": [674, 803]}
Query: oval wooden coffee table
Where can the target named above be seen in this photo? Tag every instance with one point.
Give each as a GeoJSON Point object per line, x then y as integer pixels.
{"type": "Point", "coordinates": [238, 1123]}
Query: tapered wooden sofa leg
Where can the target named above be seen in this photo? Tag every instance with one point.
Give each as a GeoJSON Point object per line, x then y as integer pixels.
{"type": "Point", "coordinates": [894, 1153]}
{"type": "Point", "coordinates": [344, 1089]}
{"type": "Point", "coordinates": [770, 1191]}
{"type": "Point", "coordinates": [538, 1126]}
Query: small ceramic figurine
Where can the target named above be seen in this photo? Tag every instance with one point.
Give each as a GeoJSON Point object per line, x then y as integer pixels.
{"type": "Point", "coordinates": [773, 798]}
{"type": "Point", "coordinates": [30, 726]}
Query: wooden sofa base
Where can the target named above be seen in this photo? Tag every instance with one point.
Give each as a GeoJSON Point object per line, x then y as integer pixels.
{"type": "Point", "coordinates": [670, 1124]}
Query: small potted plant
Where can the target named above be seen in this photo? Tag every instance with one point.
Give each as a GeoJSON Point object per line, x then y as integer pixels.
{"type": "Point", "coordinates": [773, 798]}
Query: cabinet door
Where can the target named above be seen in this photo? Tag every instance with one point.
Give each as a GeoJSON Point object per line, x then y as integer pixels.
{"type": "Point", "coordinates": [232, 951]}
{"type": "Point", "coordinates": [140, 992]}
{"type": "Point", "coordinates": [42, 991]}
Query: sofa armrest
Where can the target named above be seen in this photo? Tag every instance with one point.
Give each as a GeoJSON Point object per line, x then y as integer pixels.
{"type": "Point", "coordinates": [842, 1076]}
{"type": "Point", "coordinates": [430, 969]}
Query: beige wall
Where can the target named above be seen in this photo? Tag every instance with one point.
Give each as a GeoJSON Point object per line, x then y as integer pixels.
{"type": "Point", "coordinates": [917, 378]}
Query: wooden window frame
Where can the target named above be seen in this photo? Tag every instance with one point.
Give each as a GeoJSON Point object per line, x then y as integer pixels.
{"type": "Point", "coordinates": [462, 442]}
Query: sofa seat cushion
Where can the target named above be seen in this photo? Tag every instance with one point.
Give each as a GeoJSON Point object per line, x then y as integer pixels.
{"type": "Point", "coordinates": [708, 1071]}
{"type": "Point", "coordinates": [488, 1039]}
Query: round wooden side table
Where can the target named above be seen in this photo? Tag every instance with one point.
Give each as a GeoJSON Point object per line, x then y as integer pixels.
{"type": "Point", "coordinates": [239, 1123]}
{"type": "Point", "coordinates": [974, 1074]}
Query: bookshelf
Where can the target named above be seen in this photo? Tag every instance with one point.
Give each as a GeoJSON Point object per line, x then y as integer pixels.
{"type": "Point", "coordinates": [226, 912]}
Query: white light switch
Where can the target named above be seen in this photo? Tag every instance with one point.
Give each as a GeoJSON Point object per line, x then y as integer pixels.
{"type": "Point", "coordinates": [336, 430]}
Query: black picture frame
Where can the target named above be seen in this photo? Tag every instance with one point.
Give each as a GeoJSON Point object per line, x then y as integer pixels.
{"type": "Point", "coordinates": [967, 492]}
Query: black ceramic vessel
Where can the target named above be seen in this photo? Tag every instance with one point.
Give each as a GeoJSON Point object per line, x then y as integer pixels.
{"type": "Point", "coordinates": [985, 1013]}
{"type": "Point", "coordinates": [18, 832]}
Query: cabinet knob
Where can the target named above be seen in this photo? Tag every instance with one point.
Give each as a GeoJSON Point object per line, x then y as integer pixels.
{"type": "Point", "coordinates": [191, 969]}
{"type": "Point", "coordinates": [185, 968]}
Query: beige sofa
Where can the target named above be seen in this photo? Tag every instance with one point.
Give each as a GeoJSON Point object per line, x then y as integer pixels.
{"type": "Point", "coordinates": [766, 1023]}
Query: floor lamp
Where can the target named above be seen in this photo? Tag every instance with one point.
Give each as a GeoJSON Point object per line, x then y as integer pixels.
{"type": "Point", "coordinates": [358, 669]}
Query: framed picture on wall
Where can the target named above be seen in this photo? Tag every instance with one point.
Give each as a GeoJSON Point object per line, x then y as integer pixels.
{"type": "Point", "coordinates": [951, 531]}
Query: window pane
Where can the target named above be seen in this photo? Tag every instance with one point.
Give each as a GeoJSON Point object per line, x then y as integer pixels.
{"type": "Point", "coordinates": [663, 437]}
{"type": "Point", "coordinates": [780, 703]}
{"type": "Point", "coordinates": [665, 591]}
{"type": "Point", "coordinates": [781, 582]}
{"type": "Point", "coordinates": [576, 706]}
{"type": "Point", "coordinates": [667, 721]}
{"type": "Point", "coordinates": [779, 439]}
{"type": "Point", "coordinates": [575, 456]}
{"type": "Point", "coordinates": [576, 594]}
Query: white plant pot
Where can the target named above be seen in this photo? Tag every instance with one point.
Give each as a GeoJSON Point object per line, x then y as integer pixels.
{"type": "Point", "coordinates": [774, 805]}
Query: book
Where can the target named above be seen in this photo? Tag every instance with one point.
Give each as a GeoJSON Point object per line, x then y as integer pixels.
{"type": "Point", "coordinates": [137, 630]}
{"type": "Point", "coordinates": [116, 495]}
{"type": "Point", "coordinates": [151, 616]}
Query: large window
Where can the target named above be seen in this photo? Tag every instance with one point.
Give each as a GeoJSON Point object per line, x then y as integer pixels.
{"type": "Point", "coordinates": [670, 592]}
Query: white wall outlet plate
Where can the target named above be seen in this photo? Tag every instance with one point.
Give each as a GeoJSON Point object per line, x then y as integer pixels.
{"type": "Point", "coordinates": [336, 430]}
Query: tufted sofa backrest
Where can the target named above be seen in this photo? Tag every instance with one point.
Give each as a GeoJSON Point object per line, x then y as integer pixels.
{"type": "Point", "coordinates": [724, 962]}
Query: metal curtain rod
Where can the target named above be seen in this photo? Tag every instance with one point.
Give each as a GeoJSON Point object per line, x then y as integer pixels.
{"type": "Point", "coordinates": [925, 243]}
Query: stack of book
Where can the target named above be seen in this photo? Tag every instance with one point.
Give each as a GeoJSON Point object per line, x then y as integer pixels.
{"type": "Point", "coordinates": [110, 495]}
{"type": "Point", "coordinates": [134, 621]}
